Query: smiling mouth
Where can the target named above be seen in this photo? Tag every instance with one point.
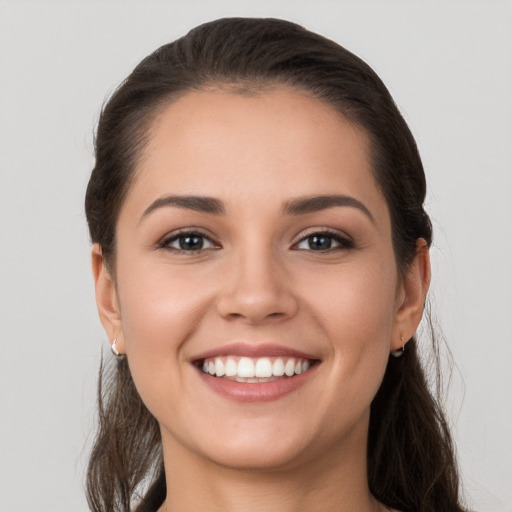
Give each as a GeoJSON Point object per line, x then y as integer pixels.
{"type": "Point", "coordinates": [255, 370]}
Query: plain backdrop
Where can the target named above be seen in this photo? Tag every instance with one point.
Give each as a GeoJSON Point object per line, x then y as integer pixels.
{"type": "Point", "coordinates": [448, 65]}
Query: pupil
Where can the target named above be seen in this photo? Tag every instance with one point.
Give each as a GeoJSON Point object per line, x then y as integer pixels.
{"type": "Point", "coordinates": [320, 242]}
{"type": "Point", "coordinates": [191, 242]}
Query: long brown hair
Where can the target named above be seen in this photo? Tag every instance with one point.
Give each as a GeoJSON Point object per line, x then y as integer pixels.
{"type": "Point", "coordinates": [411, 463]}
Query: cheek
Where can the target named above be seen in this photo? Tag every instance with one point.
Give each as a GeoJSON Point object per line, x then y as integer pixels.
{"type": "Point", "coordinates": [160, 310]}
{"type": "Point", "coordinates": [158, 303]}
{"type": "Point", "coordinates": [358, 302]}
{"type": "Point", "coordinates": [356, 313]}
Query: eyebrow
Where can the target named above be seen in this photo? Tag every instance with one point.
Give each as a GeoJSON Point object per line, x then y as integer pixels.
{"type": "Point", "coordinates": [317, 203]}
{"type": "Point", "coordinates": [301, 205]}
{"type": "Point", "coordinates": [197, 203]}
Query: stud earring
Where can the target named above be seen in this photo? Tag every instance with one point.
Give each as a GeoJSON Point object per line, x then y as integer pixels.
{"type": "Point", "coordinates": [400, 351]}
{"type": "Point", "coordinates": [113, 347]}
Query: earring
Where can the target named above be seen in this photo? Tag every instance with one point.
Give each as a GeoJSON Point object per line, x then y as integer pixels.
{"type": "Point", "coordinates": [113, 347]}
{"type": "Point", "coordinates": [399, 352]}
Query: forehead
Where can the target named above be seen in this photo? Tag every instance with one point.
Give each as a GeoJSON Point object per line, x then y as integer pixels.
{"type": "Point", "coordinates": [271, 145]}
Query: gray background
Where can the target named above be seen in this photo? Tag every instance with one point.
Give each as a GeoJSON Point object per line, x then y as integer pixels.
{"type": "Point", "coordinates": [448, 65]}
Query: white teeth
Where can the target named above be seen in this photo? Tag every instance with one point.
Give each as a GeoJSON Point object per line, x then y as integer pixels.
{"type": "Point", "coordinates": [231, 367]}
{"type": "Point", "coordinates": [278, 367]}
{"type": "Point", "coordinates": [289, 367]}
{"type": "Point", "coordinates": [219, 367]}
{"type": "Point", "coordinates": [262, 369]}
{"type": "Point", "coordinates": [245, 367]}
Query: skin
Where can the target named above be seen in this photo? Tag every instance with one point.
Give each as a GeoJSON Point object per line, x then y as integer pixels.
{"type": "Point", "coordinates": [258, 280]}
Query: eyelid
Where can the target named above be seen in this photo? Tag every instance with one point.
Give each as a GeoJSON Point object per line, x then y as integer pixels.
{"type": "Point", "coordinates": [344, 240]}
{"type": "Point", "coordinates": [340, 237]}
{"type": "Point", "coordinates": [163, 243]}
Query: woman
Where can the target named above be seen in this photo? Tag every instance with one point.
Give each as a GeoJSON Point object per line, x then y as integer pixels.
{"type": "Point", "coordinates": [261, 265]}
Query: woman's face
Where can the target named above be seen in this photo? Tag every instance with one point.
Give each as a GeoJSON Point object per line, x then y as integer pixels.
{"type": "Point", "coordinates": [257, 295]}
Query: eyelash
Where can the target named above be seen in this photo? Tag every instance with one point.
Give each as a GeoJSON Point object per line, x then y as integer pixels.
{"type": "Point", "coordinates": [344, 242]}
{"type": "Point", "coordinates": [187, 232]}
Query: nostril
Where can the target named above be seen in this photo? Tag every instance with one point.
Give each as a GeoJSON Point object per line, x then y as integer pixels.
{"type": "Point", "coordinates": [256, 302]}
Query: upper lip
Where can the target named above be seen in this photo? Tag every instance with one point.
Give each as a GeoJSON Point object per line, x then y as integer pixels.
{"type": "Point", "coordinates": [243, 349]}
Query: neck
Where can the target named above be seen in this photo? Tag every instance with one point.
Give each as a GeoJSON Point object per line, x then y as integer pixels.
{"type": "Point", "coordinates": [322, 483]}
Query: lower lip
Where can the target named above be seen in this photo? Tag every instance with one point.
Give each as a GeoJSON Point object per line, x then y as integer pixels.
{"type": "Point", "coordinates": [256, 392]}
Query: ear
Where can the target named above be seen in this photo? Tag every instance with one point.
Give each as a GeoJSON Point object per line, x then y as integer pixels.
{"type": "Point", "coordinates": [411, 296]}
{"type": "Point", "coordinates": [106, 298]}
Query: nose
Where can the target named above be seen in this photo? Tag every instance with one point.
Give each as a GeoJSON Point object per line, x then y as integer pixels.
{"type": "Point", "coordinates": [257, 289]}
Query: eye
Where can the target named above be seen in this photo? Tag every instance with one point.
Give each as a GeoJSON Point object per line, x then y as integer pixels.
{"type": "Point", "coordinates": [188, 241]}
{"type": "Point", "coordinates": [323, 242]}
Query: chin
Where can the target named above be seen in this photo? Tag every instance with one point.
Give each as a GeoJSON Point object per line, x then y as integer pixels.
{"type": "Point", "coordinates": [266, 446]}
{"type": "Point", "coordinates": [256, 458]}
{"type": "Point", "coordinates": [251, 444]}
